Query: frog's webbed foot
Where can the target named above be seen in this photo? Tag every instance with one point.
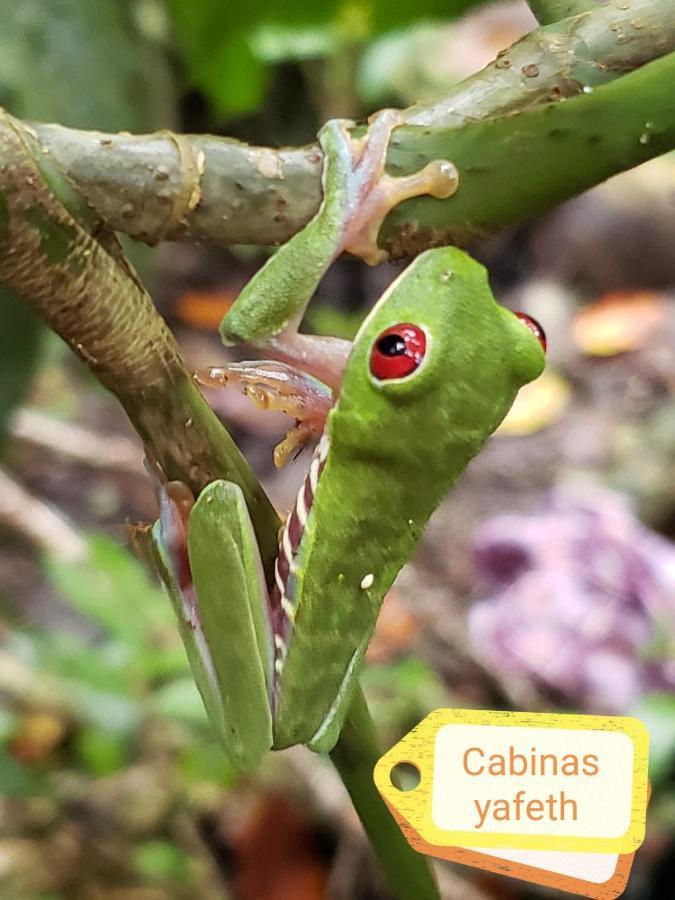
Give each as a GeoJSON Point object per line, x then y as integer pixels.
{"type": "Point", "coordinates": [278, 386]}
{"type": "Point", "coordinates": [437, 178]}
{"type": "Point", "coordinates": [295, 441]}
{"type": "Point", "coordinates": [380, 192]}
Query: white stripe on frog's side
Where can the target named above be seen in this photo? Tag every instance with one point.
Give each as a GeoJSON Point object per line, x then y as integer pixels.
{"type": "Point", "coordinates": [286, 548]}
{"type": "Point", "coordinates": [279, 581]}
{"type": "Point", "coordinates": [289, 543]}
{"type": "Point", "coordinates": [314, 469]}
{"type": "Point", "coordinates": [300, 507]}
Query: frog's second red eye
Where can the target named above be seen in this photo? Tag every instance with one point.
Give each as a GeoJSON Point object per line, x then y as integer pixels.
{"type": "Point", "coordinates": [534, 327]}
{"type": "Point", "coordinates": [398, 351]}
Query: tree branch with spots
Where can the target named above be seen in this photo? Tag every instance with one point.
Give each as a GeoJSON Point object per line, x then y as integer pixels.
{"type": "Point", "coordinates": [564, 108]}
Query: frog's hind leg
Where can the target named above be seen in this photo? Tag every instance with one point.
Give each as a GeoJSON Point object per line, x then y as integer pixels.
{"type": "Point", "coordinates": [207, 556]}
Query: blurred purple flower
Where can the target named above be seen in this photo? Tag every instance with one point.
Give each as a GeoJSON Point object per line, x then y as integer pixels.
{"type": "Point", "coordinates": [582, 599]}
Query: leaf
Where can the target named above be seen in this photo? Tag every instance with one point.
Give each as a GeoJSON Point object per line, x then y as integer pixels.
{"type": "Point", "coordinates": [324, 319]}
{"type": "Point", "coordinates": [387, 16]}
{"type": "Point", "coordinates": [104, 667]}
{"type": "Point", "coordinates": [402, 692]}
{"type": "Point", "coordinates": [109, 680]}
{"type": "Point", "coordinates": [215, 40]}
{"type": "Point", "coordinates": [538, 405]}
{"type": "Point", "coordinates": [421, 61]}
{"type": "Point", "coordinates": [8, 724]}
{"type": "Point", "coordinates": [204, 760]}
{"type": "Point", "coordinates": [111, 712]}
{"type": "Point", "coordinates": [619, 322]}
{"type": "Point", "coordinates": [280, 43]}
{"type": "Point", "coordinates": [17, 780]}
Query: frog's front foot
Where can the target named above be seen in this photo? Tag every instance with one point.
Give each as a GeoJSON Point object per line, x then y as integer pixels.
{"type": "Point", "coordinates": [278, 386]}
{"type": "Point", "coordinates": [378, 193]}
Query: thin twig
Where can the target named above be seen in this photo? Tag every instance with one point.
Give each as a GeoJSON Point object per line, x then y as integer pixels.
{"type": "Point", "coordinates": [36, 522]}
{"type": "Point", "coordinates": [72, 442]}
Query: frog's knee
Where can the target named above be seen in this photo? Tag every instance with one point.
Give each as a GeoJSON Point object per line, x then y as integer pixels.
{"type": "Point", "coordinates": [231, 332]}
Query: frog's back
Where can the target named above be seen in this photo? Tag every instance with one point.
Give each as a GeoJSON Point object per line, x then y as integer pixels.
{"type": "Point", "coordinates": [433, 370]}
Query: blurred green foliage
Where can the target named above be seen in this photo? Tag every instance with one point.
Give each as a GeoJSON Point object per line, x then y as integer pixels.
{"type": "Point", "coordinates": [108, 685]}
{"type": "Point", "coordinates": [136, 666]}
{"type": "Point", "coordinates": [228, 48]}
{"type": "Point", "coordinates": [160, 859]}
{"type": "Point", "coordinates": [80, 64]}
{"type": "Point", "coordinates": [77, 63]}
{"type": "Point", "coordinates": [120, 687]}
{"type": "Point", "coordinates": [107, 695]}
{"type": "Point", "coordinates": [108, 682]}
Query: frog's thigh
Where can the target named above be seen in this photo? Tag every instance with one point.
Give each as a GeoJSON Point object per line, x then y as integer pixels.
{"type": "Point", "coordinates": [227, 578]}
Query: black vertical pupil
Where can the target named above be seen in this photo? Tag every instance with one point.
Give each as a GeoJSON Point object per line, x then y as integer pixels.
{"type": "Point", "coordinates": [391, 345]}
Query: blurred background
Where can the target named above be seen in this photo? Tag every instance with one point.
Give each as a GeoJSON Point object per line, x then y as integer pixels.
{"type": "Point", "coordinates": [546, 581]}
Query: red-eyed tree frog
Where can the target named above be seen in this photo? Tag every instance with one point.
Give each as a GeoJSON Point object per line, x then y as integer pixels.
{"type": "Point", "coordinates": [431, 373]}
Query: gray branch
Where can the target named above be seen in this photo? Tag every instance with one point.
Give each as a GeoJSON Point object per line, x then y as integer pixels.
{"type": "Point", "coordinates": [164, 186]}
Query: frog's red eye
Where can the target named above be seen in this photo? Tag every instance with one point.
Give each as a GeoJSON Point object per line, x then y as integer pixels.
{"type": "Point", "coordinates": [534, 327]}
{"type": "Point", "coordinates": [398, 351]}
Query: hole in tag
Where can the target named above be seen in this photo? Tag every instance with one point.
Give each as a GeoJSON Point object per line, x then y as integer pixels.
{"type": "Point", "coordinates": [405, 776]}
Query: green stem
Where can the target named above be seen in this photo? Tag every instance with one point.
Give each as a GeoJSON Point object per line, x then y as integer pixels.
{"type": "Point", "coordinates": [354, 757]}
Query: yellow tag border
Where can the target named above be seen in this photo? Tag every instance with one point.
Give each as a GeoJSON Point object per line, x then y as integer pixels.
{"type": "Point", "coordinates": [413, 808]}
